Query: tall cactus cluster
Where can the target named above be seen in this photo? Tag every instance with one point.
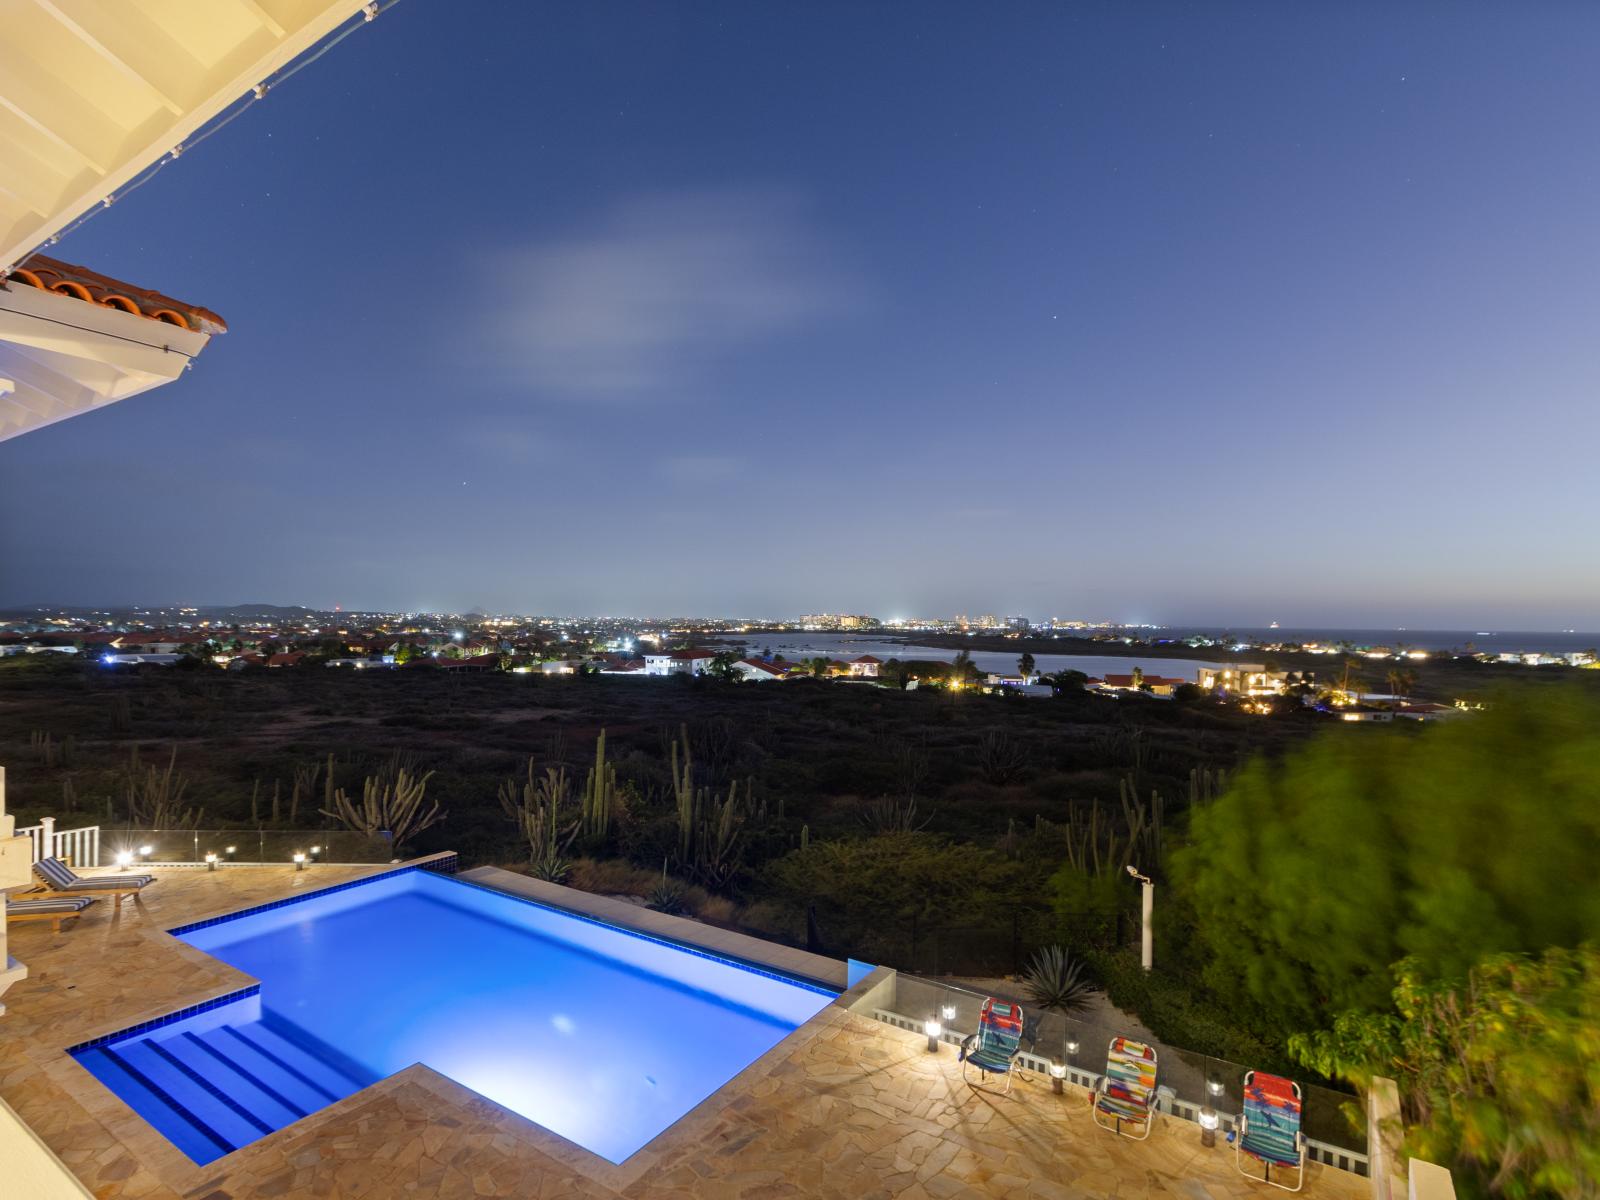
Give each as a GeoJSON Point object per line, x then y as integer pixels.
{"type": "Point", "coordinates": [709, 828]}
{"type": "Point", "coordinates": [602, 795]}
{"type": "Point", "coordinates": [391, 803]}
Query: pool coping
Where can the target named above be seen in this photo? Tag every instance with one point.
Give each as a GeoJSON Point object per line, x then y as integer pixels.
{"type": "Point", "coordinates": [815, 971]}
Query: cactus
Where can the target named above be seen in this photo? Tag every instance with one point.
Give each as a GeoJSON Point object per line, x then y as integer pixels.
{"type": "Point", "coordinates": [1205, 786]}
{"type": "Point", "coordinates": [535, 805]}
{"type": "Point", "coordinates": [155, 797]}
{"type": "Point", "coordinates": [390, 803]}
{"type": "Point", "coordinates": [709, 830]}
{"type": "Point", "coordinates": [601, 795]}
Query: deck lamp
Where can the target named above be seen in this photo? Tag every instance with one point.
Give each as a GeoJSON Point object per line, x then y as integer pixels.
{"type": "Point", "coordinates": [124, 859]}
{"type": "Point", "coordinates": [1214, 1085]}
{"type": "Point", "coordinates": [1208, 1126]}
{"type": "Point", "coordinates": [211, 860]}
{"type": "Point", "coordinates": [1072, 1048]}
{"type": "Point", "coordinates": [299, 860]}
{"type": "Point", "coordinates": [231, 851]}
{"type": "Point", "coordinates": [145, 851]}
{"type": "Point", "coordinates": [933, 1029]}
{"type": "Point", "coordinates": [1058, 1076]}
{"type": "Point", "coordinates": [315, 850]}
{"type": "Point", "coordinates": [948, 1012]}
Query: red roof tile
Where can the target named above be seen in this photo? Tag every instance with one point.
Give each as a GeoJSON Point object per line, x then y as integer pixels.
{"type": "Point", "coordinates": [65, 279]}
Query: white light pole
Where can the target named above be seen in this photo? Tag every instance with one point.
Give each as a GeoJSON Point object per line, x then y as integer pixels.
{"type": "Point", "coordinates": [1147, 953]}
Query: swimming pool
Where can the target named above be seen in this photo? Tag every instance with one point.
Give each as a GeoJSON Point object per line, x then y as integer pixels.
{"type": "Point", "coordinates": [600, 1034]}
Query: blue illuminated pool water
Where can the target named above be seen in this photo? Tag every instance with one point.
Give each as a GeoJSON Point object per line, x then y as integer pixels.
{"type": "Point", "coordinates": [604, 1036]}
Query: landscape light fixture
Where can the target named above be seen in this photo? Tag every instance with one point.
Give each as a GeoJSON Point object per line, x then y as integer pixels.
{"type": "Point", "coordinates": [299, 860]}
{"type": "Point", "coordinates": [1208, 1126]}
{"type": "Point", "coordinates": [1058, 1077]}
{"type": "Point", "coordinates": [315, 850]}
{"type": "Point", "coordinates": [231, 851]}
{"type": "Point", "coordinates": [145, 851]}
{"type": "Point", "coordinates": [948, 1012]}
{"type": "Point", "coordinates": [211, 860]}
{"type": "Point", "coordinates": [933, 1029]}
{"type": "Point", "coordinates": [124, 859]}
{"type": "Point", "coordinates": [1214, 1086]}
{"type": "Point", "coordinates": [1147, 955]}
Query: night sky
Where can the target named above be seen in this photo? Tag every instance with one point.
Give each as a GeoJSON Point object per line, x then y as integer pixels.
{"type": "Point", "coordinates": [1187, 313]}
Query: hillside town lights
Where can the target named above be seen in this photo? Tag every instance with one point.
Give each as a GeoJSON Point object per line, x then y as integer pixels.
{"type": "Point", "coordinates": [933, 1029]}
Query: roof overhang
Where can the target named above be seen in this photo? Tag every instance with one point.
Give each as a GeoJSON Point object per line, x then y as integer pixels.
{"type": "Point", "coordinates": [60, 356]}
{"type": "Point", "coordinates": [94, 92]}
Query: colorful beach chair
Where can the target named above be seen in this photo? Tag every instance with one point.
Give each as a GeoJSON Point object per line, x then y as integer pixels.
{"type": "Point", "coordinates": [993, 1049]}
{"type": "Point", "coordinates": [1127, 1091]}
{"type": "Point", "coordinates": [1269, 1129]}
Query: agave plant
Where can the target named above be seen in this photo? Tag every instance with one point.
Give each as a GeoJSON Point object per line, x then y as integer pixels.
{"type": "Point", "coordinates": [1054, 981]}
{"type": "Point", "coordinates": [550, 867]}
{"type": "Point", "coordinates": [667, 896]}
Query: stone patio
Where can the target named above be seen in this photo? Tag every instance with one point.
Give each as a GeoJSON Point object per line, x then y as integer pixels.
{"type": "Point", "coordinates": [844, 1107]}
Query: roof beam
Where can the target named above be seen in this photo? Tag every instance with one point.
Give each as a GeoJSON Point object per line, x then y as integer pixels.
{"type": "Point", "coordinates": [47, 109]}
{"type": "Point", "coordinates": [265, 17]}
{"type": "Point", "coordinates": [101, 47]}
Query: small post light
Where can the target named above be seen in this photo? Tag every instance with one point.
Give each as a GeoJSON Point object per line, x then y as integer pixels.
{"type": "Point", "coordinates": [933, 1029]}
{"type": "Point", "coordinates": [299, 860]}
{"type": "Point", "coordinates": [1058, 1077]}
{"type": "Point", "coordinates": [124, 859]}
{"type": "Point", "coordinates": [146, 851]}
{"type": "Point", "coordinates": [948, 1012]}
{"type": "Point", "coordinates": [231, 851]}
{"type": "Point", "coordinates": [1072, 1048]}
{"type": "Point", "coordinates": [211, 860]}
{"type": "Point", "coordinates": [315, 850]}
{"type": "Point", "coordinates": [1214, 1086]}
{"type": "Point", "coordinates": [1208, 1126]}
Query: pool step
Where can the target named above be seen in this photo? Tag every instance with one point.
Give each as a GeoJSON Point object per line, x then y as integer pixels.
{"type": "Point", "coordinates": [211, 1092]}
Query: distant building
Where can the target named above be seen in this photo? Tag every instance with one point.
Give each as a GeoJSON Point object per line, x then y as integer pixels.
{"type": "Point", "coordinates": [759, 670]}
{"type": "Point", "coordinates": [678, 662]}
{"type": "Point", "coordinates": [1154, 685]}
{"type": "Point", "coordinates": [1246, 679]}
{"type": "Point", "coordinates": [1020, 624]}
{"type": "Point", "coordinates": [865, 667]}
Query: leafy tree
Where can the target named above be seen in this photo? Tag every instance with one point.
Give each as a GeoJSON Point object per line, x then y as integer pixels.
{"type": "Point", "coordinates": [1497, 1075]}
{"type": "Point", "coordinates": [1309, 876]}
{"type": "Point", "coordinates": [725, 667]}
{"type": "Point", "coordinates": [1068, 682]}
{"type": "Point", "coordinates": [1025, 665]}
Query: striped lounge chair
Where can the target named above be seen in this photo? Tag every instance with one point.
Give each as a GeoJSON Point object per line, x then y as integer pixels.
{"type": "Point", "coordinates": [59, 878]}
{"type": "Point", "coordinates": [1127, 1091]}
{"type": "Point", "coordinates": [993, 1049]}
{"type": "Point", "coordinates": [1269, 1129]}
{"type": "Point", "coordinates": [54, 909]}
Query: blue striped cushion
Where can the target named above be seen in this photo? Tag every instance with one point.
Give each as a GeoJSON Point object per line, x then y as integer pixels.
{"type": "Point", "coordinates": [50, 904]}
{"type": "Point", "coordinates": [110, 883]}
{"type": "Point", "coordinates": [54, 872]}
{"type": "Point", "coordinates": [61, 877]}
